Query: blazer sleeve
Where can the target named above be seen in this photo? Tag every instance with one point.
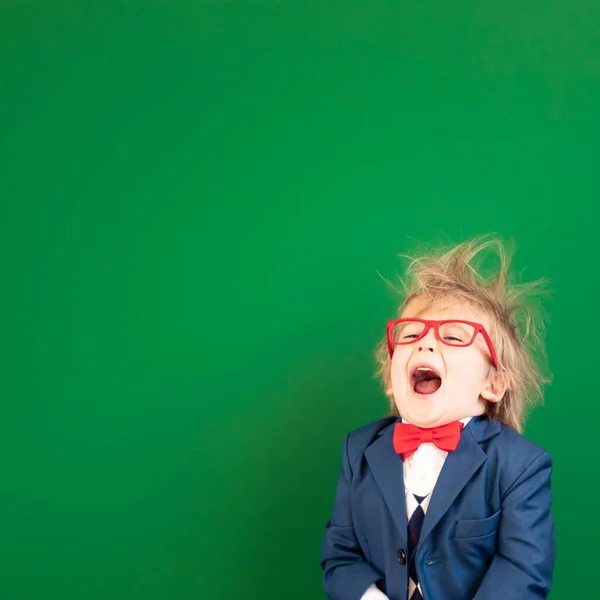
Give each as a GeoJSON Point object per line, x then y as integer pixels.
{"type": "Point", "coordinates": [523, 565]}
{"type": "Point", "coordinates": [346, 572]}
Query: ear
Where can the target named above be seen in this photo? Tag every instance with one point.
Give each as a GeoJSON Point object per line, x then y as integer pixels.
{"type": "Point", "coordinates": [389, 392]}
{"type": "Point", "coordinates": [495, 386]}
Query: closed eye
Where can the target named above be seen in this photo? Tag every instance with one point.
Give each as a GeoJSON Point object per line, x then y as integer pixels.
{"type": "Point", "coordinates": [451, 338]}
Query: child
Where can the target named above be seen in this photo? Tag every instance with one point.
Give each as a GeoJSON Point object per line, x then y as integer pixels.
{"type": "Point", "coordinates": [445, 499]}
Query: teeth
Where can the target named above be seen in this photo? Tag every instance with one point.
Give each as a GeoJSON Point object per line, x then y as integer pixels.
{"type": "Point", "coordinates": [424, 369]}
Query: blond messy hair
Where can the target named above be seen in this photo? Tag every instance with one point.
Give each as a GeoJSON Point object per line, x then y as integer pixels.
{"type": "Point", "coordinates": [517, 332]}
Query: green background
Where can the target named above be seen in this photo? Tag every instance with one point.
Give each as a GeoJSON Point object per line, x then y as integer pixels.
{"type": "Point", "coordinates": [197, 199]}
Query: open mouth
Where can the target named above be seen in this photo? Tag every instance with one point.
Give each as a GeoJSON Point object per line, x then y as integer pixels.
{"type": "Point", "coordinates": [425, 380]}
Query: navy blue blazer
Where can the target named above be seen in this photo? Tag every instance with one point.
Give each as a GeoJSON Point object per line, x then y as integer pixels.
{"type": "Point", "coordinates": [488, 532]}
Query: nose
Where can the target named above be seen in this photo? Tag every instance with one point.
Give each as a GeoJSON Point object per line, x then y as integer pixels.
{"type": "Point", "coordinates": [428, 342]}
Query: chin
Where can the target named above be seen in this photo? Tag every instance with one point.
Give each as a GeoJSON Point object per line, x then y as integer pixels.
{"type": "Point", "coordinates": [426, 415]}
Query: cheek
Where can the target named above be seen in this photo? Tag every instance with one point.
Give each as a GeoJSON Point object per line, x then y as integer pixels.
{"type": "Point", "coordinates": [466, 369]}
{"type": "Point", "coordinates": [399, 363]}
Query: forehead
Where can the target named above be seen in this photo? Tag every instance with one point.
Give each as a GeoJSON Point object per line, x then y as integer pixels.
{"type": "Point", "coordinates": [445, 308]}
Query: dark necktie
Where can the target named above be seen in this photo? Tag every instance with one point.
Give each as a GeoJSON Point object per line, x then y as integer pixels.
{"type": "Point", "coordinates": [415, 524]}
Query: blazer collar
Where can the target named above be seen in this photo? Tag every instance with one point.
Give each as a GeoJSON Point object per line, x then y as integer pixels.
{"type": "Point", "coordinates": [459, 467]}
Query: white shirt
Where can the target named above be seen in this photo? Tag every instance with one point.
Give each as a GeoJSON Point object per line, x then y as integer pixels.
{"type": "Point", "coordinates": [421, 471]}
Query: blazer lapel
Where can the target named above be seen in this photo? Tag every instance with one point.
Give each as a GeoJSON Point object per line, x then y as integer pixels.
{"type": "Point", "coordinates": [386, 467]}
{"type": "Point", "coordinates": [458, 469]}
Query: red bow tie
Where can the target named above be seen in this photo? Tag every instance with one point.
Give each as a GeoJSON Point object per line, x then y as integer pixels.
{"type": "Point", "coordinates": [407, 438]}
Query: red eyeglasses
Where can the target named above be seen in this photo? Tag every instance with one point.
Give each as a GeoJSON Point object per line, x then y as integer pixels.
{"type": "Point", "coordinates": [401, 332]}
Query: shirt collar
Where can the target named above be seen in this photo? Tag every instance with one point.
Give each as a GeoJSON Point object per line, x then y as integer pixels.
{"type": "Point", "coordinates": [463, 421]}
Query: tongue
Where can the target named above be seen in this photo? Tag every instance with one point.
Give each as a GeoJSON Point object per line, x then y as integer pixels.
{"type": "Point", "coordinates": [428, 387]}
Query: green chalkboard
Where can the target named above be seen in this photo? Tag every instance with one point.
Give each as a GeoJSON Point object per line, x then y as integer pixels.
{"type": "Point", "coordinates": [200, 201]}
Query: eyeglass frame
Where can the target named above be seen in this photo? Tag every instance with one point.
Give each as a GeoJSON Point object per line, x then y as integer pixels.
{"type": "Point", "coordinates": [478, 328]}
